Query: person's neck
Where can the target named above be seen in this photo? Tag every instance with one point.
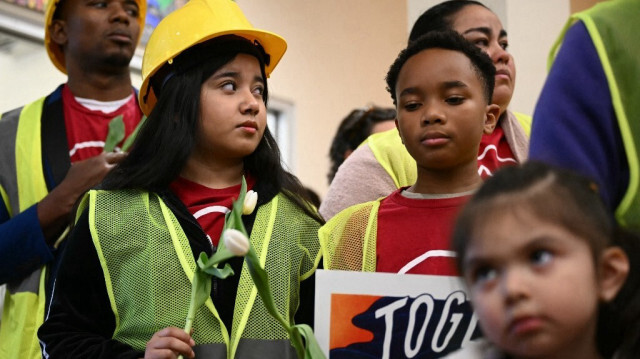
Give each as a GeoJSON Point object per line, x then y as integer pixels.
{"type": "Point", "coordinates": [101, 86]}
{"type": "Point", "coordinates": [503, 114]}
{"type": "Point", "coordinates": [213, 175]}
{"type": "Point", "coordinates": [445, 181]}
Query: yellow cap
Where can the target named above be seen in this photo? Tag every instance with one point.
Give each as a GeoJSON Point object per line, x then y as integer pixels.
{"type": "Point", "coordinates": [198, 21]}
{"type": "Point", "coordinates": [55, 52]}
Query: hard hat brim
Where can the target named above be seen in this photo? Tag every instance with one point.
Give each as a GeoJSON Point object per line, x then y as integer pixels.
{"type": "Point", "coordinates": [192, 24]}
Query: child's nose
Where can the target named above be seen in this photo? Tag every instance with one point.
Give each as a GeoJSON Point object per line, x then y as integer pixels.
{"type": "Point", "coordinates": [514, 285]}
{"type": "Point", "coordinates": [250, 105]}
{"type": "Point", "coordinates": [433, 115]}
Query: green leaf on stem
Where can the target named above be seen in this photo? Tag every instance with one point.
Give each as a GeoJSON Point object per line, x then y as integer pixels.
{"type": "Point", "coordinates": [312, 348]}
{"type": "Point", "coordinates": [129, 141]}
{"type": "Point", "coordinates": [202, 260]}
{"type": "Point", "coordinates": [220, 273]}
{"type": "Point", "coordinates": [203, 286]}
{"type": "Point", "coordinates": [222, 254]}
{"type": "Point", "coordinates": [115, 135]}
{"type": "Point", "coordinates": [261, 280]}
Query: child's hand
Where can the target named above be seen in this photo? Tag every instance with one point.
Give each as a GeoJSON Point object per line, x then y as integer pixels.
{"type": "Point", "coordinates": [169, 343]}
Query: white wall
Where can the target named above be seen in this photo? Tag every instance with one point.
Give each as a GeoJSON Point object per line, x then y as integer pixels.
{"type": "Point", "coordinates": [25, 74]}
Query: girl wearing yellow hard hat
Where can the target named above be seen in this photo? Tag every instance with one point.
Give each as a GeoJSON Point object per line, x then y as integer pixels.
{"type": "Point", "coordinates": [124, 284]}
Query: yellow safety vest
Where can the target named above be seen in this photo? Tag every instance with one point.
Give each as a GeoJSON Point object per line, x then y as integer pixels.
{"type": "Point", "coordinates": [24, 301]}
{"type": "Point", "coordinates": [614, 27]}
{"type": "Point", "coordinates": [146, 258]}
{"type": "Point", "coordinates": [348, 239]}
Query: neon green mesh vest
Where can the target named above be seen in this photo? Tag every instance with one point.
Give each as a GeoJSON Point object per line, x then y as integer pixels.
{"type": "Point", "coordinates": [348, 239]}
{"type": "Point", "coordinates": [614, 28]}
{"type": "Point", "coordinates": [148, 267]}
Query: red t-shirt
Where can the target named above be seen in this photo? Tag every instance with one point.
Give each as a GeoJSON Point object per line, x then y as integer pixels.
{"type": "Point", "coordinates": [416, 230]}
{"type": "Point", "coordinates": [87, 129]}
{"type": "Point", "coordinates": [207, 205]}
{"type": "Point", "coordinates": [494, 152]}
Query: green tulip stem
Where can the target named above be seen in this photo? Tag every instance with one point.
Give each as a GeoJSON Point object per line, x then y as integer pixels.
{"type": "Point", "coordinates": [192, 303]}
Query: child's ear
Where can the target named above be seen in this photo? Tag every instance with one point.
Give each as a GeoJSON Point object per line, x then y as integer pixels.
{"type": "Point", "coordinates": [58, 32]}
{"type": "Point", "coordinates": [491, 118]}
{"type": "Point", "coordinates": [614, 269]}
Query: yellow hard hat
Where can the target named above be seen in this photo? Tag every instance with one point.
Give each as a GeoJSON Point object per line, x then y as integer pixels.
{"type": "Point", "coordinates": [196, 22]}
{"type": "Point", "coordinates": [55, 52]}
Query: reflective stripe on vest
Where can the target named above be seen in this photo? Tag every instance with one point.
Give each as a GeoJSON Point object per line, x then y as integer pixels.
{"type": "Point", "coordinates": [149, 260]}
{"type": "Point", "coordinates": [613, 28]}
{"type": "Point", "coordinates": [22, 184]}
{"type": "Point", "coordinates": [348, 239]}
{"type": "Point", "coordinates": [248, 349]}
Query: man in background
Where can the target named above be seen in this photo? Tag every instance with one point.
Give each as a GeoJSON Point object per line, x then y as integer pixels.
{"type": "Point", "coordinates": [51, 152]}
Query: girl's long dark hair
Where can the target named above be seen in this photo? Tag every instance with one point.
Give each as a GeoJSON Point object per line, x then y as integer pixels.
{"type": "Point", "coordinates": [166, 140]}
{"type": "Point", "coordinates": [571, 201]}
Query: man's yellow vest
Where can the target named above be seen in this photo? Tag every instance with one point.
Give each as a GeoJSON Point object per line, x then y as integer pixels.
{"type": "Point", "coordinates": [393, 156]}
{"type": "Point", "coordinates": [614, 28]}
{"type": "Point", "coordinates": [24, 301]}
{"type": "Point", "coordinates": [148, 267]}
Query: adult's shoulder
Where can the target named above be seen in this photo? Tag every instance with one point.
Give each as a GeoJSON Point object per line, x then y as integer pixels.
{"type": "Point", "coordinates": [359, 179]}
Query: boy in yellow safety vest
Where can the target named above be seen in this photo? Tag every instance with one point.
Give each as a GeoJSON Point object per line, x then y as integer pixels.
{"type": "Point", "coordinates": [442, 88]}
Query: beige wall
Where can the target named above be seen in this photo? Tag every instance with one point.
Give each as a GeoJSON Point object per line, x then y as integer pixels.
{"type": "Point", "coordinates": [579, 5]}
{"type": "Point", "coordinates": [338, 55]}
{"type": "Point", "coordinates": [533, 27]}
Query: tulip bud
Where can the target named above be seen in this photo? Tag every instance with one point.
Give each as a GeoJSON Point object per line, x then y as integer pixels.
{"type": "Point", "coordinates": [236, 242]}
{"type": "Point", "coordinates": [250, 200]}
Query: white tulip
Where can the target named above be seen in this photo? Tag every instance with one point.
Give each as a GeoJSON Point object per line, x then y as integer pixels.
{"type": "Point", "coordinates": [236, 242]}
{"type": "Point", "coordinates": [250, 200]}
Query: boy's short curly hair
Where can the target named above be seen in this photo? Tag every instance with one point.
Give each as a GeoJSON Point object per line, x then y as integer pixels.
{"type": "Point", "coordinates": [449, 40]}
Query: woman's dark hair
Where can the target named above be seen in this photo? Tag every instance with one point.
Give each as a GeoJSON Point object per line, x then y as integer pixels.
{"type": "Point", "coordinates": [571, 201]}
{"type": "Point", "coordinates": [449, 40]}
{"type": "Point", "coordinates": [354, 129]}
{"type": "Point", "coordinates": [167, 138]}
{"type": "Point", "coordinates": [439, 17]}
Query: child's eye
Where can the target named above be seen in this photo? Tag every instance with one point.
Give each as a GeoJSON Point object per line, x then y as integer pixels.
{"type": "Point", "coordinates": [455, 100]}
{"type": "Point", "coordinates": [504, 44]}
{"type": "Point", "coordinates": [228, 86]}
{"type": "Point", "coordinates": [411, 106]}
{"type": "Point", "coordinates": [259, 90]}
{"type": "Point", "coordinates": [483, 274]}
{"type": "Point", "coordinates": [541, 257]}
